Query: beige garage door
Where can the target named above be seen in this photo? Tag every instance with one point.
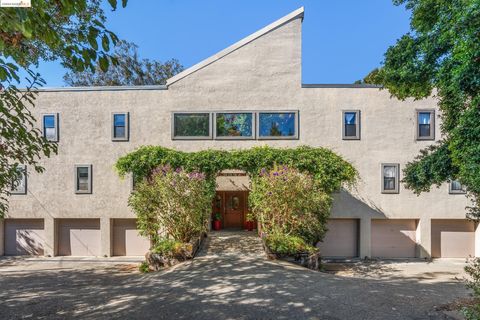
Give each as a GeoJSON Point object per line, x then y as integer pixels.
{"type": "Point", "coordinates": [453, 238]}
{"type": "Point", "coordinates": [393, 238]}
{"type": "Point", "coordinates": [24, 237]}
{"type": "Point", "coordinates": [341, 239]}
{"type": "Point", "coordinates": [126, 240]}
{"type": "Point", "coordinates": [78, 237]}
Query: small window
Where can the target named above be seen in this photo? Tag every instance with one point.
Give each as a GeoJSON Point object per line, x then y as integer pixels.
{"type": "Point", "coordinates": [278, 125]}
{"type": "Point", "coordinates": [390, 177]}
{"type": "Point", "coordinates": [234, 125]}
{"type": "Point", "coordinates": [20, 186]}
{"type": "Point", "coordinates": [50, 127]}
{"type": "Point", "coordinates": [83, 179]}
{"type": "Point", "coordinates": [425, 125]}
{"type": "Point", "coordinates": [351, 125]}
{"type": "Point", "coordinates": [193, 125]}
{"type": "Point", "coordinates": [455, 187]}
{"type": "Point", "coordinates": [120, 126]}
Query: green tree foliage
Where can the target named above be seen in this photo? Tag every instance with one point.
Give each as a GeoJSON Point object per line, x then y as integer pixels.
{"type": "Point", "coordinates": [71, 31]}
{"type": "Point", "coordinates": [288, 202]}
{"type": "Point", "coordinates": [175, 201]}
{"type": "Point", "coordinates": [328, 169]}
{"type": "Point", "coordinates": [473, 270]}
{"type": "Point", "coordinates": [130, 70]}
{"type": "Point", "coordinates": [441, 56]}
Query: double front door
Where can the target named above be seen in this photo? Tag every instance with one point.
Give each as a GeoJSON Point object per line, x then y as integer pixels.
{"type": "Point", "coordinates": [233, 207]}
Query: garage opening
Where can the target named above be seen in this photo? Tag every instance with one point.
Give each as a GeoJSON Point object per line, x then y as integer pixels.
{"type": "Point", "coordinates": [393, 238]}
{"type": "Point", "coordinates": [24, 237]}
{"type": "Point", "coordinates": [126, 240]}
{"type": "Point", "coordinates": [453, 238]}
{"type": "Point", "coordinates": [341, 239]}
{"type": "Point", "coordinates": [78, 237]}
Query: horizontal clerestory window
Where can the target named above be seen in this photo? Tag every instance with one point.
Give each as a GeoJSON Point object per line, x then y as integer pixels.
{"type": "Point", "coordinates": [234, 125]}
{"type": "Point", "coordinates": [191, 125]}
{"type": "Point", "coordinates": [277, 125]}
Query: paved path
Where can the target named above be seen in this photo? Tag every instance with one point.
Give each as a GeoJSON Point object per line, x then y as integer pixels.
{"type": "Point", "coordinates": [230, 279]}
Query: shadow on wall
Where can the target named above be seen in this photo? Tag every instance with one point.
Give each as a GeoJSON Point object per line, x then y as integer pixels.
{"type": "Point", "coordinates": [241, 287]}
{"type": "Point", "coordinates": [27, 243]}
{"type": "Point", "coordinates": [346, 202]}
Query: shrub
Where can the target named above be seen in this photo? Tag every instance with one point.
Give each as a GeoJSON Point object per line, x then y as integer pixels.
{"type": "Point", "coordinates": [282, 244]}
{"type": "Point", "coordinates": [473, 270]}
{"type": "Point", "coordinates": [167, 247]}
{"type": "Point", "coordinates": [175, 202]}
{"type": "Point", "coordinates": [289, 202]}
{"type": "Point", "coordinates": [144, 267]}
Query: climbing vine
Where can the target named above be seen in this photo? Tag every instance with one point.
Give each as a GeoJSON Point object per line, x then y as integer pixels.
{"type": "Point", "coordinates": [329, 170]}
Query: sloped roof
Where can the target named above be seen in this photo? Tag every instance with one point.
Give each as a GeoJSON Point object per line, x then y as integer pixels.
{"type": "Point", "coordinates": [289, 17]}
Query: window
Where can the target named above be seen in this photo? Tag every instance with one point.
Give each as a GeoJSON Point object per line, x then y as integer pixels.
{"type": "Point", "coordinates": [455, 187]}
{"type": "Point", "coordinates": [50, 127]}
{"type": "Point", "coordinates": [277, 125]}
{"type": "Point", "coordinates": [192, 125]}
{"type": "Point", "coordinates": [20, 186]}
{"type": "Point", "coordinates": [83, 179]}
{"type": "Point", "coordinates": [120, 126]}
{"type": "Point", "coordinates": [234, 125]}
{"type": "Point", "coordinates": [390, 177]}
{"type": "Point", "coordinates": [351, 125]}
{"type": "Point", "coordinates": [425, 124]}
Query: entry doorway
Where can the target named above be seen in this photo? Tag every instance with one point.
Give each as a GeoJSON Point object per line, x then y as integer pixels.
{"type": "Point", "coordinates": [232, 205]}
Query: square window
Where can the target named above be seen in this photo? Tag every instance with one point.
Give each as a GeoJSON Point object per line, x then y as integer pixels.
{"type": "Point", "coordinates": [83, 179]}
{"type": "Point", "coordinates": [425, 125]}
{"type": "Point", "coordinates": [455, 187]}
{"type": "Point", "coordinates": [193, 125]}
{"type": "Point", "coordinates": [351, 125]}
{"type": "Point", "coordinates": [233, 125]}
{"type": "Point", "coordinates": [390, 177]}
{"type": "Point", "coordinates": [50, 127]}
{"type": "Point", "coordinates": [120, 126]}
{"type": "Point", "coordinates": [20, 186]}
{"type": "Point", "coordinates": [278, 125]}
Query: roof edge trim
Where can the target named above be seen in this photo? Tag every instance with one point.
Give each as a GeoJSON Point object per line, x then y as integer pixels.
{"type": "Point", "coordinates": [101, 88]}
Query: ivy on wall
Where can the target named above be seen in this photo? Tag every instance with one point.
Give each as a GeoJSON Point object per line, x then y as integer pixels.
{"type": "Point", "coordinates": [329, 170]}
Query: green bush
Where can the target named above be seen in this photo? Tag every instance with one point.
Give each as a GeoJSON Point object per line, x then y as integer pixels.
{"type": "Point", "coordinates": [167, 247]}
{"type": "Point", "coordinates": [287, 245]}
{"type": "Point", "coordinates": [144, 267]}
{"type": "Point", "coordinates": [473, 270]}
{"type": "Point", "coordinates": [289, 202]}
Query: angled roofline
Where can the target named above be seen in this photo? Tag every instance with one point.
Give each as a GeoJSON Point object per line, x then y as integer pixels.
{"type": "Point", "coordinates": [280, 22]}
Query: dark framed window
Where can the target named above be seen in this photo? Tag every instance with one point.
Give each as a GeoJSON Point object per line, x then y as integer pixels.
{"type": "Point", "coordinates": [390, 177]}
{"type": "Point", "coordinates": [234, 125]}
{"type": "Point", "coordinates": [191, 125]}
{"type": "Point", "coordinates": [425, 124]}
{"type": "Point", "coordinates": [83, 178]}
{"type": "Point", "coordinates": [277, 125]}
{"type": "Point", "coordinates": [50, 127]}
{"type": "Point", "coordinates": [20, 186]}
{"type": "Point", "coordinates": [120, 126]}
{"type": "Point", "coordinates": [351, 125]}
{"type": "Point", "coordinates": [455, 187]}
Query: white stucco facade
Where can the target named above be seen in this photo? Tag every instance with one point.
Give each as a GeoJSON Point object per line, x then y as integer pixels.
{"type": "Point", "coordinates": [261, 73]}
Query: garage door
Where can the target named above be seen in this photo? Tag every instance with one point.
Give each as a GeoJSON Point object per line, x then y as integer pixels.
{"type": "Point", "coordinates": [453, 238]}
{"type": "Point", "coordinates": [341, 239]}
{"type": "Point", "coordinates": [24, 237]}
{"type": "Point", "coordinates": [78, 237]}
{"type": "Point", "coordinates": [126, 240]}
{"type": "Point", "coordinates": [393, 238]}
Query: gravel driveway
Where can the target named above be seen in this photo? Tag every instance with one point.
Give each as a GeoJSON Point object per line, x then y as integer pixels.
{"type": "Point", "coordinates": [231, 279]}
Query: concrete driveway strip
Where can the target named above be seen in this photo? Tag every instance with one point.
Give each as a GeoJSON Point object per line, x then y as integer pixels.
{"type": "Point", "coordinates": [230, 279]}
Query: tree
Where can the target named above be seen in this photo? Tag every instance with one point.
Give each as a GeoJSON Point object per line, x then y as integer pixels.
{"type": "Point", "coordinates": [130, 70]}
{"type": "Point", "coordinates": [441, 56]}
{"type": "Point", "coordinates": [71, 31]}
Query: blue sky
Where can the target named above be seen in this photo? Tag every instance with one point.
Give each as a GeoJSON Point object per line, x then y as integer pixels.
{"type": "Point", "coordinates": [342, 39]}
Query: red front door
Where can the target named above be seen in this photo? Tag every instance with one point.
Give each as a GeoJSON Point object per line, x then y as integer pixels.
{"type": "Point", "coordinates": [235, 205]}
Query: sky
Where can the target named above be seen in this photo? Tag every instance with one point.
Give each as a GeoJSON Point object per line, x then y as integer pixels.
{"type": "Point", "coordinates": [343, 40]}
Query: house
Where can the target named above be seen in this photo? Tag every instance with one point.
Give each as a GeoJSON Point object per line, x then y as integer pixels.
{"type": "Point", "coordinates": [78, 206]}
